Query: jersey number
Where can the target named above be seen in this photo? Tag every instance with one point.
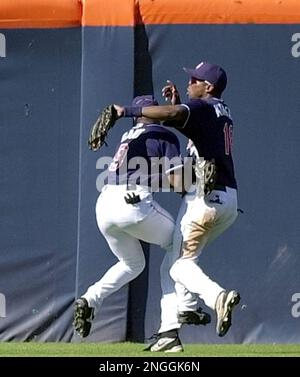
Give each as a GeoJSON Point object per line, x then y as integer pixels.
{"type": "Point", "coordinates": [119, 157]}
{"type": "Point", "coordinates": [228, 138]}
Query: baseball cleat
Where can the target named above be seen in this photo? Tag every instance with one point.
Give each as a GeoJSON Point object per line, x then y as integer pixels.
{"type": "Point", "coordinates": [225, 303]}
{"type": "Point", "coordinates": [83, 315]}
{"type": "Point", "coordinates": [167, 341]}
{"type": "Point", "coordinates": [197, 317]}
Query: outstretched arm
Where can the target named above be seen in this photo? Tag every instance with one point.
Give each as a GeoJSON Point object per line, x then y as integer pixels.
{"type": "Point", "coordinates": [177, 113]}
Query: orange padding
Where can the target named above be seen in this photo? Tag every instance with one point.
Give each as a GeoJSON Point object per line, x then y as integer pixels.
{"type": "Point", "coordinates": [40, 13]}
{"type": "Point", "coordinates": [108, 12]}
{"type": "Point", "coordinates": [117, 12]}
{"type": "Point", "coordinates": [220, 11]}
{"type": "Point", "coordinates": [68, 13]}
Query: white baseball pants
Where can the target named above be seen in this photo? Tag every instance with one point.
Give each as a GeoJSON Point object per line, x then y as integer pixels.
{"type": "Point", "coordinates": [200, 221]}
{"type": "Point", "coordinates": [123, 225]}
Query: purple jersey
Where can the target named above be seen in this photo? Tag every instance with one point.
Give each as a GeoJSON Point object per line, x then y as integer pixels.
{"type": "Point", "coordinates": [209, 126]}
{"type": "Point", "coordinates": [146, 152]}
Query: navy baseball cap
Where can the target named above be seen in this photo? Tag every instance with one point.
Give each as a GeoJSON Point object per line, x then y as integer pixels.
{"type": "Point", "coordinates": [209, 72]}
{"type": "Point", "coordinates": [144, 101]}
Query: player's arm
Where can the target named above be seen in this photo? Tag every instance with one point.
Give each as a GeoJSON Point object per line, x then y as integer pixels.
{"type": "Point", "coordinates": [176, 113]}
{"type": "Point", "coordinates": [175, 179]}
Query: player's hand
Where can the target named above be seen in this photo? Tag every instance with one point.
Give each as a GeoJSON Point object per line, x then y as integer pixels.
{"type": "Point", "coordinates": [170, 92]}
{"type": "Point", "coordinates": [120, 110]}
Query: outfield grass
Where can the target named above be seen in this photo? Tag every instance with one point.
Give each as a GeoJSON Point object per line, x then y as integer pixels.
{"type": "Point", "coordinates": [136, 350]}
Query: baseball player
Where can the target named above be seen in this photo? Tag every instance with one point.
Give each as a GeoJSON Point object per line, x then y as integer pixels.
{"type": "Point", "coordinates": [127, 213]}
{"type": "Point", "coordinates": [206, 121]}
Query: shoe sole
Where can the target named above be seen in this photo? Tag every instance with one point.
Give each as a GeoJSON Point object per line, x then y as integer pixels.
{"type": "Point", "coordinates": [174, 349]}
{"type": "Point", "coordinates": [79, 312]}
{"type": "Point", "coordinates": [227, 316]}
{"type": "Point", "coordinates": [82, 317]}
{"type": "Point", "coordinates": [82, 327]}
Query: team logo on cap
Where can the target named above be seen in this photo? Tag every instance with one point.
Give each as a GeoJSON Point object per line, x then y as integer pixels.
{"type": "Point", "coordinates": [199, 65]}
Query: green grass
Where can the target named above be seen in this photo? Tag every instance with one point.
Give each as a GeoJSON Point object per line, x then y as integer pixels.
{"type": "Point", "coordinates": [136, 350]}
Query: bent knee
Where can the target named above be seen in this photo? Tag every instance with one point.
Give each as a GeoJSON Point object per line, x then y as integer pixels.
{"type": "Point", "coordinates": [136, 267]}
{"type": "Point", "coordinates": [175, 270]}
{"type": "Point", "coordinates": [179, 266]}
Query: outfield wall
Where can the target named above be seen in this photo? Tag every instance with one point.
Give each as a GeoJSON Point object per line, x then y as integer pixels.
{"type": "Point", "coordinates": [60, 64]}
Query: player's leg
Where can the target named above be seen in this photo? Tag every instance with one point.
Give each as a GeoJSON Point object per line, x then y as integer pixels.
{"type": "Point", "coordinates": [228, 299]}
{"type": "Point", "coordinates": [202, 222]}
{"type": "Point", "coordinates": [189, 311]}
{"type": "Point", "coordinates": [127, 249]}
{"type": "Point", "coordinates": [197, 226]}
{"type": "Point", "coordinates": [131, 262]}
{"type": "Point", "coordinates": [187, 298]}
{"type": "Point", "coordinates": [158, 228]}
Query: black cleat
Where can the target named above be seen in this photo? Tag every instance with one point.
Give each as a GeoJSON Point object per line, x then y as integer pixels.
{"type": "Point", "coordinates": [83, 315]}
{"type": "Point", "coordinates": [167, 341]}
{"type": "Point", "coordinates": [197, 317]}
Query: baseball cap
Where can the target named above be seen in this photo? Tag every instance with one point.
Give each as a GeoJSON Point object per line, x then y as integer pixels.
{"type": "Point", "coordinates": [209, 72]}
{"type": "Point", "coordinates": [144, 101]}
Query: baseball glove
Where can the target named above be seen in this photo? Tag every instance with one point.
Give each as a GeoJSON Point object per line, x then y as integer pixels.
{"type": "Point", "coordinates": [210, 175]}
{"type": "Point", "coordinates": [206, 173]}
{"type": "Point", "coordinates": [103, 124]}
